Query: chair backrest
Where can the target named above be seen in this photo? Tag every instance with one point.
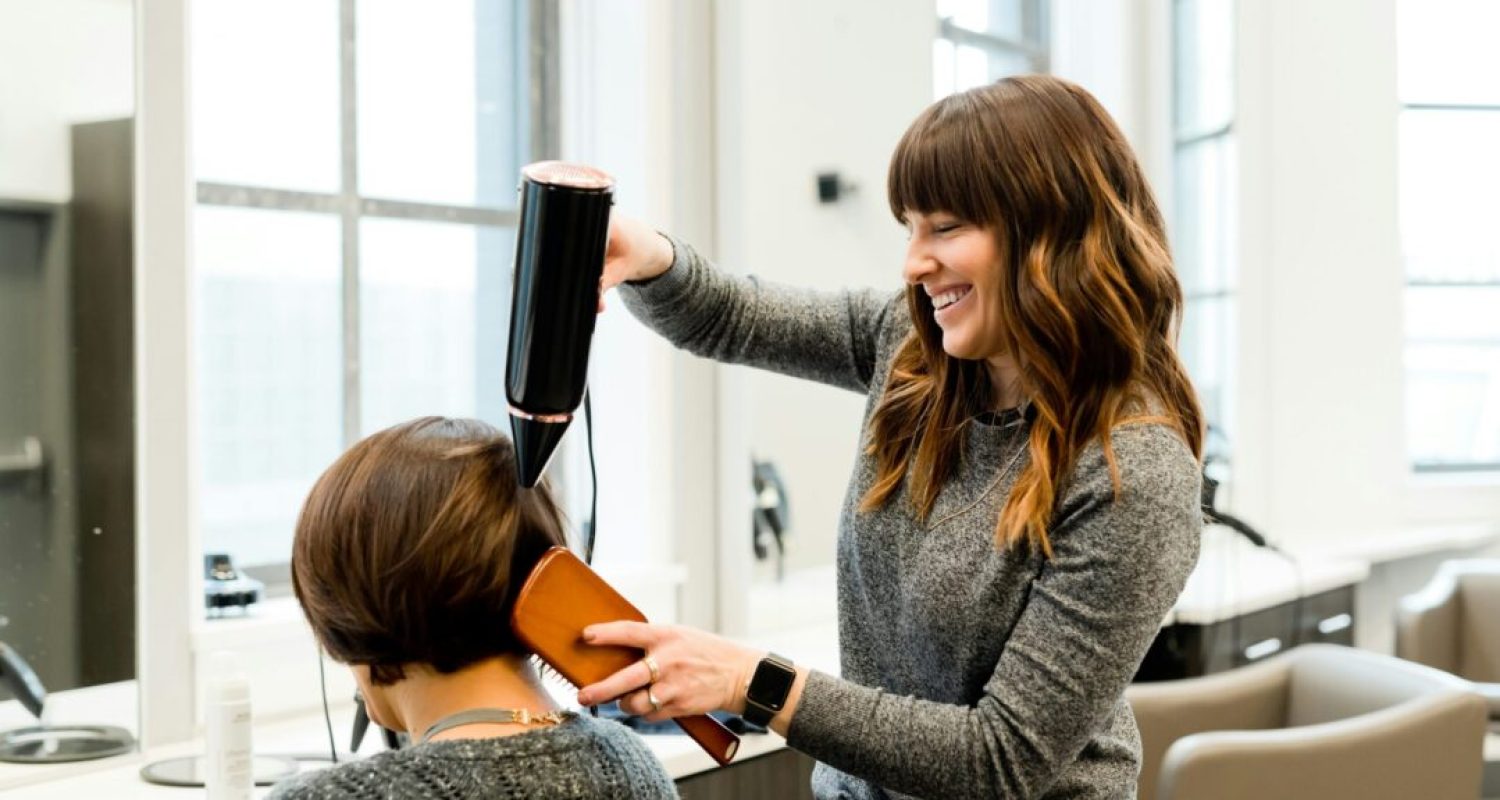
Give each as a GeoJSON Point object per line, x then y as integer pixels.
{"type": "Point", "coordinates": [1360, 724]}
{"type": "Point", "coordinates": [1479, 620]}
{"type": "Point", "coordinates": [1332, 682]}
{"type": "Point", "coordinates": [1248, 698]}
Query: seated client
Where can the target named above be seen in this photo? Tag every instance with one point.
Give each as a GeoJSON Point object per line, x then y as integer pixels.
{"type": "Point", "coordinates": [407, 560]}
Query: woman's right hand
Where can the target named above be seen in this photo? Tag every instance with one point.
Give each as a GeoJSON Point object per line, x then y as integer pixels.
{"type": "Point", "coordinates": [636, 252]}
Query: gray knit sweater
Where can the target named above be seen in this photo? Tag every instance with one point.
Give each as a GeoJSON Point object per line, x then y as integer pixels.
{"type": "Point", "coordinates": [967, 671]}
{"type": "Point", "coordinates": [580, 758]}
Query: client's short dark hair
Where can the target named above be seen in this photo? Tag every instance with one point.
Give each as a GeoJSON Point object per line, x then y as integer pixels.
{"type": "Point", "coordinates": [412, 546]}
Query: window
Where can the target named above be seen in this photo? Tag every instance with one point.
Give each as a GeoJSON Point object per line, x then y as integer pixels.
{"type": "Point", "coordinates": [355, 223]}
{"type": "Point", "coordinates": [1203, 206]}
{"type": "Point", "coordinates": [981, 41]}
{"type": "Point", "coordinates": [1449, 166]}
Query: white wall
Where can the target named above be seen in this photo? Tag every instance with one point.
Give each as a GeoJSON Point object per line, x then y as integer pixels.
{"type": "Point", "coordinates": [604, 94]}
{"type": "Point", "coordinates": [636, 86]}
{"type": "Point", "coordinates": [805, 88]}
{"type": "Point", "coordinates": [1099, 44]}
{"type": "Point", "coordinates": [1322, 453]}
{"type": "Point", "coordinates": [65, 61]}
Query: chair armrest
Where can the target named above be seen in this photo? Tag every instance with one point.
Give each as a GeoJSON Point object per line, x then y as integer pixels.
{"type": "Point", "coordinates": [1428, 747]}
{"type": "Point", "coordinates": [1427, 623]}
{"type": "Point", "coordinates": [1248, 698]}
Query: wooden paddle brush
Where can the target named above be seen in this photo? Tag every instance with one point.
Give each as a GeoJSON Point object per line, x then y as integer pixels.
{"type": "Point", "coordinates": [560, 598]}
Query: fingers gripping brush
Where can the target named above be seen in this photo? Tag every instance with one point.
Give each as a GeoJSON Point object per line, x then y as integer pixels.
{"type": "Point", "coordinates": [560, 598]}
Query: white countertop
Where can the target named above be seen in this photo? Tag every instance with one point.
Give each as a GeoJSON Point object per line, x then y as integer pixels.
{"type": "Point", "coordinates": [119, 777]}
{"type": "Point", "coordinates": [1421, 540]}
{"type": "Point", "coordinates": [1234, 577]}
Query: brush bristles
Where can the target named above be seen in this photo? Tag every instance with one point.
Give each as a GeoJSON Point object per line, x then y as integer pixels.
{"type": "Point", "coordinates": [547, 672]}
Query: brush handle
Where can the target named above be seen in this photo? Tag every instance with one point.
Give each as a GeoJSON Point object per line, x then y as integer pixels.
{"type": "Point", "coordinates": [560, 598]}
{"type": "Point", "coordinates": [718, 741]}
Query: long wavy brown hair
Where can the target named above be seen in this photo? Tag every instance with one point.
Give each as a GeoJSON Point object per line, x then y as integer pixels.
{"type": "Point", "coordinates": [1091, 304]}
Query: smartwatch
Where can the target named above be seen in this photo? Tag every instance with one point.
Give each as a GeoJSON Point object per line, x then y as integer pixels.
{"type": "Point", "coordinates": [768, 689]}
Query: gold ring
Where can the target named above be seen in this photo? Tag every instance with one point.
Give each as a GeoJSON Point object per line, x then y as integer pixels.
{"type": "Point", "coordinates": [653, 666]}
{"type": "Point", "coordinates": [651, 698]}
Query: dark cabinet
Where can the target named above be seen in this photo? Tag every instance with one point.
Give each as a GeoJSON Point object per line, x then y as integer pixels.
{"type": "Point", "coordinates": [782, 775]}
{"type": "Point", "coordinates": [1185, 651]}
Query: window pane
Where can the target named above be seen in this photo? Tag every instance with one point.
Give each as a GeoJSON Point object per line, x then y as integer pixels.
{"type": "Point", "coordinates": [1207, 348]}
{"type": "Point", "coordinates": [943, 56]}
{"type": "Point", "coordinates": [266, 93]}
{"type": "Point", "coordinates": [1004, 18]}
{"type": "Point", "coordinates": [1453, 374]}
{"type": "Point", "coordinates": [1007, 62]}
{"type": "Point", "coordinates": [269, 366]}
{"type": "Point", "coordinates": [1453, 404]}
{"type": "Point", "coordinates": [1450, 314]}
{"type": "Point", "coordinates": [1450, 166]}
{"type": "Point", "coordinates": [438, 111]}
{"type": "Point", "coordinates": [1203, 234]}
{"type": "Point", "coordinates": [1204, 42]}
{"type": "Point", "coordinates": [971, 14]}
{"type": "Point", "coordinates": [1448, 52]}
{"type": "Point", "coordinates": [971, 67]}
{"type": "Point", "coordinates": [434, 301]}
{"type": "Point", "coordinates": [957, 67]}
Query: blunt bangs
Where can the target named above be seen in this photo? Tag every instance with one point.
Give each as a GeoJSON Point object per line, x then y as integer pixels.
{"type": "Point", "coordinates": [941, 166]}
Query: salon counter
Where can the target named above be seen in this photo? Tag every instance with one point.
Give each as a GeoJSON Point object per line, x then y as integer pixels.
{"type": "Point", "coordinates": [120, 777]}
{"type": "Point", "coordinates": [306, 734]}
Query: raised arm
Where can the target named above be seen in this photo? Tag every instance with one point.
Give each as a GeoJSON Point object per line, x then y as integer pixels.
{"type": "Point", "coordinates": [830, 337]}
{"type": "Point", "coordinates": [1118, 567]}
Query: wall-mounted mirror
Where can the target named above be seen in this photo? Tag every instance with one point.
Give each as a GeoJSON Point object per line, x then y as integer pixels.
{"type": "Point", "coordinates": [67, 441]}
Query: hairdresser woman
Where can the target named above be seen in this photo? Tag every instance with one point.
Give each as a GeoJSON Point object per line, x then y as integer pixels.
{"type": "Point", "coordinates": [1024, 508]}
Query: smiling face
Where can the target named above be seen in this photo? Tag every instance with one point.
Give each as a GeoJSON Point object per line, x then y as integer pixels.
{"type": "Point", "coordinates": [957, 265]}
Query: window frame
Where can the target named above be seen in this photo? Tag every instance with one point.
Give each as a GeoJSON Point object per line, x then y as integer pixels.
{"type": "Point", "coordinates": [1034, 44]}
{"type": "Point", "coordinates": [536, 27]}
{"type": "Point", "coordinates": [1219, 450]}
{"type": "Point", "coordinates": [1415, 466]}
{"type": "Point", "coordinates": [173, 631]}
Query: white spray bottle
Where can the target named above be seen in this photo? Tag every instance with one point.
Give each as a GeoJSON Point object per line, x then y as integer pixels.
{"type": "Point", "coordinates": [228, 773]}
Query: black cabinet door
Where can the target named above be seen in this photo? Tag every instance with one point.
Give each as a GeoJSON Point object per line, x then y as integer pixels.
{"type": "Point", "coordinates": [783, 775]}
{"type": "Point", "coordinates": [1328, 617]}
{"type": "Point", "coordinates": [1186, 651]}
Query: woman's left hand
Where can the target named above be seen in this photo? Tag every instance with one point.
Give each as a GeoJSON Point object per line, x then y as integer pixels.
{"type": "Point", "coordinates": [697, 671]}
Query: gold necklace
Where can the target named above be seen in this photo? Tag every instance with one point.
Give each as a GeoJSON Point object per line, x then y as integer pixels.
{"type": "Point", "coordinates": [986, 493]}
{"type": "Point", "coordinates": [495, 716]}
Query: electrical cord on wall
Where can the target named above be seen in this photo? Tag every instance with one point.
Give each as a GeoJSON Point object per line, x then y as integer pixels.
{"type": "Point", "coordinates": [1214, 515]}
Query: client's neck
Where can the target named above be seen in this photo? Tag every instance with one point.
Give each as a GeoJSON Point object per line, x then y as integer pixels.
{"type": "Point", "coordinates": [426, 696]}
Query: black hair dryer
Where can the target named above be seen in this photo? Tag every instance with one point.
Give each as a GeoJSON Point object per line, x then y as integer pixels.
{"type": "Point", "coordinates": [559, 260]}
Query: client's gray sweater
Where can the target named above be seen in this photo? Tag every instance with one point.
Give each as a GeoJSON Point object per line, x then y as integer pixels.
{"type": "Point", "coordinates": [580, 758]}
{"type": "Point", "coordinates": [968, 671]}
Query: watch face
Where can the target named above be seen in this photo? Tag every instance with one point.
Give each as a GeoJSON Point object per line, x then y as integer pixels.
{"type": "Point", "coordinates": [771, 684]}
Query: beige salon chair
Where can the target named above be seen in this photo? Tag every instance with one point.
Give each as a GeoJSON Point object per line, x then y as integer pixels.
{"type": "Point", "coordinates": [1454, 624]}
{"type": "Point", "coordinates": [1315, 723]}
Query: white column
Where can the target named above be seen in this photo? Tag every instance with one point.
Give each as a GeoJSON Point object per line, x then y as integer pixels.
{"type": "Point", "coordinates": [168, 571]}
{"type": "Point", "coordinates": [1321, 434]}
